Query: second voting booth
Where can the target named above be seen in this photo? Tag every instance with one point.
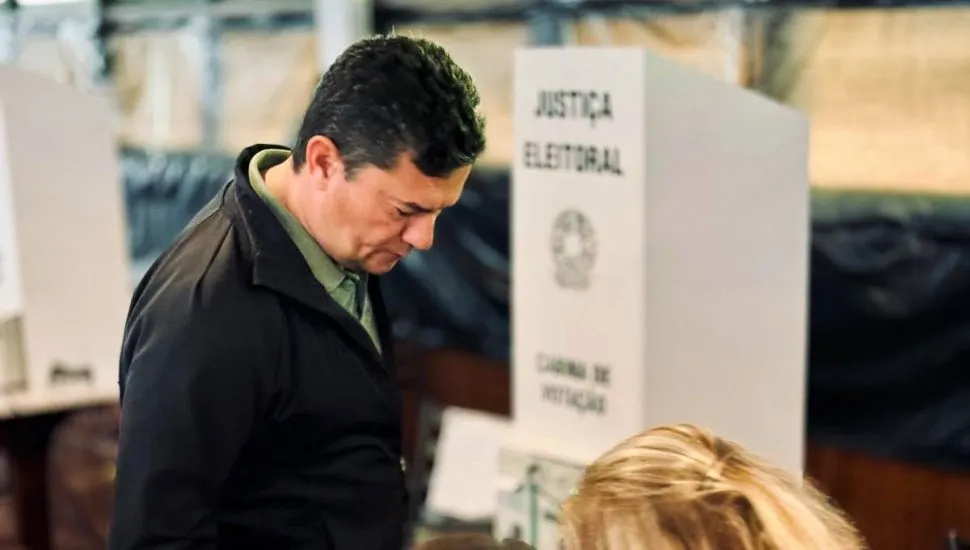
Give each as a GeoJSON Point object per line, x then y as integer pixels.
{"type": "Point", "coordinates": [65, 280]}
{"type": "Point", "coordinates": [660, 259]}
{"type": "Point", "coordinates": [64, 269]}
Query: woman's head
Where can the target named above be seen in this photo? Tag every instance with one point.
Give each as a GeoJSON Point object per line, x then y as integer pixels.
{"type": "Point", "coordinates": [683, 488]}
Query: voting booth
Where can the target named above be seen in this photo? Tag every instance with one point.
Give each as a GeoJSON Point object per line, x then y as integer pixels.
{"type": "Point", "coordinates": [64, 275]}
{"type": "Point", "coordinates": [660, 259]}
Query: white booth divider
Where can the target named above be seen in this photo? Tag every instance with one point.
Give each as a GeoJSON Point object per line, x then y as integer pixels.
{"type": "Point", "coordinates": [64, 269]}
{"type": "Point", "coordinates": [660, 259]}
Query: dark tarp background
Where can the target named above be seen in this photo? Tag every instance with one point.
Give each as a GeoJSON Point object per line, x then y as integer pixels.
{"type": "Point", "coordinates": [889, 342]}
{"type": "Point", "coordinates": [889, 359]}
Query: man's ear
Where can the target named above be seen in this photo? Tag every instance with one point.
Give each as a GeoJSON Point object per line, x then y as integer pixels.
{"type": "Point", "coordinates": [323, 160]}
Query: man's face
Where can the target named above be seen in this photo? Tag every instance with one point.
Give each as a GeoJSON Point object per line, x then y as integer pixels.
{"type": "Point", "coordinates": [376, 217]}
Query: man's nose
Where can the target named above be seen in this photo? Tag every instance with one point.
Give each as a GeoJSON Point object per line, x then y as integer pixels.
{"type": "Point", "coordinates": [420, 232]}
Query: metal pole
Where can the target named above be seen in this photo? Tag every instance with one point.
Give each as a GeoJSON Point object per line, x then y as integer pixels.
{"type": "Point", "coordinates": [9, 40]}
{"type": "Point", "coordinates": [338, 24]}
{"type": "Point", "coordinates": [731, 26]}
{"type": "Point", "coordinates": [546, 26]}
{"type": "Point", "coordinates": [211, 66]}
{"type": "Point", "coordinates": [99, 37]}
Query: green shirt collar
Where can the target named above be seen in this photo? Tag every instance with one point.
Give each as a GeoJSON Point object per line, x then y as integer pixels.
{"type": "Point", "coordinates": [324, 269]}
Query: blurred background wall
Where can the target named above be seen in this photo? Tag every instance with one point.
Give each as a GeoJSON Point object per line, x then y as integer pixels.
{"type": "Point", "coordinates": [885, 85]}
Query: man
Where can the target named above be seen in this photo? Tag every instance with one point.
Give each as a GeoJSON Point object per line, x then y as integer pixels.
{"type": "Point", "coordinates": [259, 401]}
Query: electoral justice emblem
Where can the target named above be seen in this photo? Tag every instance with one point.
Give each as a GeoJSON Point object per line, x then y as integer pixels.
{"type": "Point", "coordinates": [573, 249]}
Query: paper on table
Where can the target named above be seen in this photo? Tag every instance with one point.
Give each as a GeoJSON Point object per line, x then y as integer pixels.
{"type": "Point", "coordinates": [464, 480]}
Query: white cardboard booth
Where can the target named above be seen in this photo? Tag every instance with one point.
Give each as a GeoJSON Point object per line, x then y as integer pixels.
{"type": "Point", "coordinates": [660, 268]}
{"type": "Point", "coordinates": [64, 269]}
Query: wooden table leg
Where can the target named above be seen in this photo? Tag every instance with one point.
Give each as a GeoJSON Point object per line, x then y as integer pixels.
{"type": "Point", "coordinates": [26, 441]}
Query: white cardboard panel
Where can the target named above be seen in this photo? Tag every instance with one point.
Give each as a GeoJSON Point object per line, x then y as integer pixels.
{"type": "Point", "coordinates": [661, 273]}
{"type": "Point", "coordinates": [462, 483]}
{"type": "Point", "coordinates": [63, 183]}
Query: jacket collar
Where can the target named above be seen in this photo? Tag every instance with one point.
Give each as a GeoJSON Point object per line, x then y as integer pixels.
{"type": "Point", "coordinates": [278, 264]}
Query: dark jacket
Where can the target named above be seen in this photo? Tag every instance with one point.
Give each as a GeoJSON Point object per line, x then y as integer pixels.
{"type": "Point", "coordinates": [256, 412]}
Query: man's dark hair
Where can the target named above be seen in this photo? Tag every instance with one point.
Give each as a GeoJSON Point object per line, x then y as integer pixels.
{"type": "Point", "coordinates": [388, 95]}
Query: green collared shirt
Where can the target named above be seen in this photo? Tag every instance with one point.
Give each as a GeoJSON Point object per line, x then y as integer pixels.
{"type": "Point", "coordinates": [347, 288]}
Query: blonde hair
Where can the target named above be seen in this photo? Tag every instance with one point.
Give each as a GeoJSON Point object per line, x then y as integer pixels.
{"type": "Point", "coordinates": [683, 488]}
